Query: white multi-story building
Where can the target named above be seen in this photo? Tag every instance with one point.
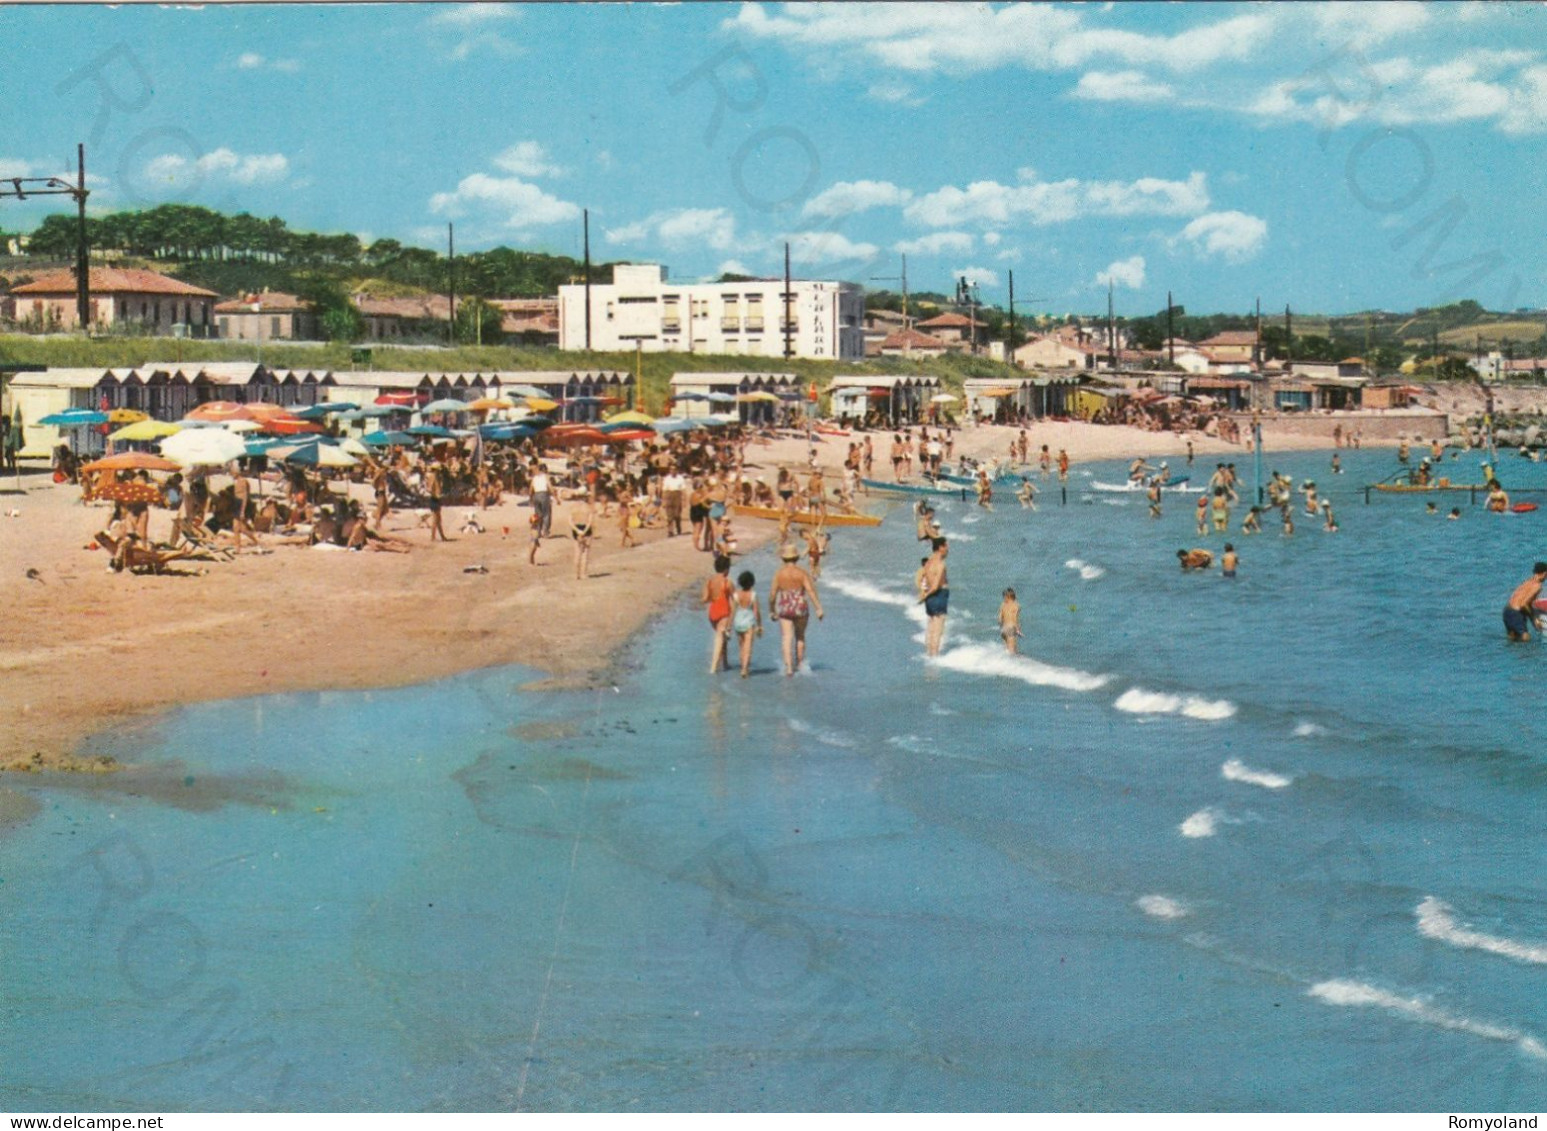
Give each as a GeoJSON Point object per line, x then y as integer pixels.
{"type": "Point", "coordinates": [641, 308]}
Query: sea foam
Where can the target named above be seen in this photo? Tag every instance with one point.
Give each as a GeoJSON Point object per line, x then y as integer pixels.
{"type": "Point", "coordinates": [1161, 907]}
{"type": "Point", "coordinates": [1138, 701]}
{"type": "Point", "coordinates": [822, 735]}
{"type": "Point", "coordinates": [984, 659]}
{"type": "Point", "coordinates": [1201, 824]}
{"type": "Point", "coordinates": [1237, 770]}
{"type": "Point", "coordinates": [1436, 920]}
{"type": "Point", "coordinates": [1085, 569]}
{"type": "Point", "coordinates": [1341, 991]}
{"type": "Point", "coordinates": [1308, 730]}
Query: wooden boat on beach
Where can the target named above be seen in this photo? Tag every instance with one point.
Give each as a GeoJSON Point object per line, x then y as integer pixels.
{"type": "Point", "coordinates": [925, 487]}
{"type": "Point", "coordinates": [806, 518]}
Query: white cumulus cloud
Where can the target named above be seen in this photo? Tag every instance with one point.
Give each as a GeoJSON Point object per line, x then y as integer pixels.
{"type": "Point", "coordinates": [936, 243]}
{"type": "Point", "coordinates": [219, 165]}
{"type": "Point", "coordinates": [682, 228]}
{"type": "Point", "coordinates": [528, 159]}
{"type": "Point", "coordinates": [515, 203]}
{"type": "Point", "coordinates": [1121, 86]}
{"type": "Point", "coordinates": [1038, 202]}
{"type": "Point", "coordinates": [734, 267]}
{"type": "Point", "coordinates": [1124, 273]}
{"type": "Point", "coordinates": [828, 248]}
{"type": "Point", "coordinates": [982, 276]}
{"type": "Point", "coordinates": [1234, 237]}
{"type": "Point", "coordinates": [848, 197]}
{"type": "Point", "coordinates": [464, 29]}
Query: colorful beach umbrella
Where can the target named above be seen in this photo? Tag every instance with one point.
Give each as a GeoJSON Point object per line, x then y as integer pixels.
{"type": "Point", "coordinates": [74, 418]}
{"type": "Point", "coordinates": [541, 404]}
{"type": "Point", "coordinates": [132, 461]}
{"type": "Point", "coordinates": [126, 416]}
{"type": "Point", "coordinates": [490, 404]}
{"type": "Point", "coordinates": [130, 491]}
{"type": "Point", "coordinates": [445, 404]}
{"type": "Point", "coordinates": [630, 417]}
{"type": "Point", "coordinates": [669, 424]}
{"type": "Point", "coordinates": [325, 408]}
{"type": "Point", "coordinates": [387, 439]}
{"type": "Point", "coordinates": [320, 455]}
{"type": "Point", "coordinates": [217, 412]}
{"type": "Point", "coordinates": [146, 430]}
{"type": "Point", "coordinates": [526, 391]}
{"type": "Point", "coordinates": [434, 430]}
{"type": "Point", "coordinates": [203, 447]}
{"type": "Point", "coordinates": [756, 397]}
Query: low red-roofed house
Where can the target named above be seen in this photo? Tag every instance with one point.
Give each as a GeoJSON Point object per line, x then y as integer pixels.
{"type": "Point", "coordinates": [418, 316]}
{"type": "Point", "coordinates": [267, 317]}
{"type": "Point", "coordinates": [534, 321]}
{"type": "Point", "coordinates": [954, 329]}
{"type": "Point", "coordinates": [119, 296]}
{"type": "Point", "coordinates": [912, 343]}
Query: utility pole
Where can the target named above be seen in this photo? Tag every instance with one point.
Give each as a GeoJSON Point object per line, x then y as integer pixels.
{"type": "Point", "coordinates": [1170, 329]}
{"type": "Point", "coordinates": [1289, 333]}
{"type": "Point", "coordinates": [1111, 334]}
{"type": "Point", "coordinates": [586, 221]}
{"type": "Point", "coordinates": [1009, 334]}
{"type": "Point", "coordinates": [22, 187]}
{"type": "Point", "coordinates": [789, 298]}
{"type": "Point", "coordinates": [82, 259]}
{"type": "Point", "coordinates": [1257, 346]}
{"type": "Point", "coordinates": [451, 282]}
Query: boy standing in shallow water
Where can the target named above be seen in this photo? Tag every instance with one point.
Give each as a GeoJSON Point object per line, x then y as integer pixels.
{"type": "Point", "coordinates": [1009, 621]}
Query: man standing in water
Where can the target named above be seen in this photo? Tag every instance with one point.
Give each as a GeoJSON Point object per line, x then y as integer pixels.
{"type": "Point", "coordinates": [1520, 613]}
{"type": "Point", "coordinates": [935, 597]}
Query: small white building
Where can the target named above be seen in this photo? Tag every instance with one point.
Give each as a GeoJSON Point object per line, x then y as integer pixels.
{"type": "Point", "coordinates": [641, 308]}
{"type": "Point", "coordinates": [1001, 399]}
{"type": "Point", "coordinates": [1055, 352]}
{"type": "Point", "coordinates": [686, 388]}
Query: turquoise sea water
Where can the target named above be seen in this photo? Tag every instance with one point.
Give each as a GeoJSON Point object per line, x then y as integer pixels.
{"type": "Point", "coordinates": [1264, 844]}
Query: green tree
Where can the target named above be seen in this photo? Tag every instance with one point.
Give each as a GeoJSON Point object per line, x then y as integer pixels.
{"type": "Point", "coordinates": [478, 322]}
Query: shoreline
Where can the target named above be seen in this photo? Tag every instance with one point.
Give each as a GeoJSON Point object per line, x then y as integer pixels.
{"type": "Point", "coordinates": [85, 651]}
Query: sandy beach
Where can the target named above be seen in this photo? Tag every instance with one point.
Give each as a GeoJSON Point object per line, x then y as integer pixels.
{"type": "Point", "coordinates": [85, 652]}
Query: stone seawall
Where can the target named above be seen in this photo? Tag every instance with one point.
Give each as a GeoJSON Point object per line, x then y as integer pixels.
{"type": "Point", "coordinates": [1374, 427]}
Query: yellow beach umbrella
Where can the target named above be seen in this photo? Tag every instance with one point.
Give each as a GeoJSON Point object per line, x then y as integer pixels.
{"type": "Point", "coordinates": [489, 404]}
{"type": "Point", "coordinates": [127, 416]}
{"type": "Point", "coordinates": [541, 404]}
{"type": "Point", "coordinates": [760, 395]}
{"type": "Point", "coordinates": [146, 429]}
{"type": "Point", "coordinates": [630, 417]}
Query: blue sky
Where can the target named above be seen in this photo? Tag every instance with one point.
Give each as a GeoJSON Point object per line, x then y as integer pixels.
{"type": "Point", "coordinates": [1334, 156]}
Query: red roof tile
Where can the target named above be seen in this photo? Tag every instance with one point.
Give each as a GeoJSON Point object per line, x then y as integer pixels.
{"type": "Point", "coordinates": [912, 340]}
{"type": "Point", "coordinates": [113, 280]}
{"type": "Point", "coordinates": [272, 302]}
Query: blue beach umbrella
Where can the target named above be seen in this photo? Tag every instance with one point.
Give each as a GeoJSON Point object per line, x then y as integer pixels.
{"type": "Point", "coordinates": [321, 455]}
{"type": "Point", "coordinates": [434, 430]}
{"type": "Point", "coordinates": [669, 424]}
{"type": "Point", "coordinates": [445, 404]}
{"type": "Point", "coordinates": [74, 418]}
{"type": "Point", "coordinates": [387, 439]}
{"type": "Point", "coordinates": [326, 408]}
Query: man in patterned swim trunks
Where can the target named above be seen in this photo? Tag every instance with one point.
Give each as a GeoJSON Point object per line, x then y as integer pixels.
{"type": "Point", "coordinates": [935, 596]}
